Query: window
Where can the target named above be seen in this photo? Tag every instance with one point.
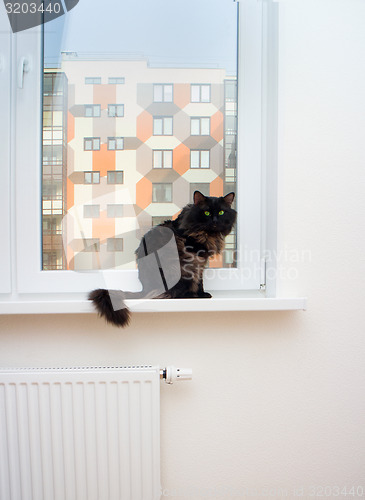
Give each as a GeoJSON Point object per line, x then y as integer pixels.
{"type": "Point", "coordinates": [115, 210]}
{"type": "Point", "coordinates": [114, 244]}
{"type": "Point", "coordinates": [91, 245]}
{"type": "Point", "coordinates": [162, 158]}
{"type": "Point", "coordinates": [115, 177]}
{"type": "Point", "coordinates": [162, 125]}
{"type": "Point", "coordinates": [203, 187]}
{"type": "Point", "coordinates": [59, 153]}
{"type": "Point", "coordinates": [92, 143]}
{"type": "Point", "coordinates": [200, 126]}
{"type": "Point", "coordinates": [115, 110]}
{"type": "Point", "coordinates": [159, 219]}
{"type": "Point", "coordinates": [91, 177]}
{"type": "Point", "coordinates": [162, 92]}
{"type": "Point", "coordinates": [91, 211]}
{"type": "Point", "coordinates": [92, 110]}
{"type": "Point", "coordinates": [199, 159]}
{"type": "Point", "coordinates": [116, 80]}
{"type": "Point", "coordinates": [92, 80]}
{"type": "Point", "coordinates": [231, 125]}
{"type": "Point", "coordinates": [200, 93]}
{"type": "Point", "coordinates": [161, 193]}
{"type": "Point", "coordinates": [116, 143]}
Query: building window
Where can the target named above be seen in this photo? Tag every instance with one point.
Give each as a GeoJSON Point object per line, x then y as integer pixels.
{"type": "Point", "coordinates": [200, 126]}
{"type": "Point", "coordinates": [203, 187]}
{"type": "Point", "coordinates": [115, 143]}
{"type": "Point", "coordinates": [114, 210]}
{"type": "Point", "coordinates": [162, 158]}
{"type": "Point", "coordinates": [91, 143]}
{"type": "Point", "coordinates": [160, 219]}
{"type": "Point", "coordinates": [114, 244]}
{"type": "Point", "coordinates": [92, 110]}
{"type": "Point", "coordinates": [162, 92]}
{"type": "Point", "coordinates": [91, 244]}
{"type": "Point", "coordinates": [115, 177]}
{"type": "Point", "coordinates": [200, 92]}
{"type": "Point", "coordinates": [116, 80]}
{"type": "Point", "coordinates": [91, 177]}
{"type": "Point", "coordinates": [91, 211]}
{"type": "Point", "coordinates": [162, 192]}
{"type": "Point", "coordinates": [231, 124]}
{"type": "Point", "coordinates": [199, 159]}
{"type": "Point", "coordinates": [115, 110]}
{"type": "Point", "coordinates": [93, 80]}
{"type": "Point", "coordinates": [162, 125]}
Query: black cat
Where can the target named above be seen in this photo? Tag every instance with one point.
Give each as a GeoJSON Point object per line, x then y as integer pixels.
{"type": "Point", "coordinates": [172, 256]}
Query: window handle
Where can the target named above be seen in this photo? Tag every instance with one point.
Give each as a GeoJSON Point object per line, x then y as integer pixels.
{"type": "Point", "coordinates": [23, 67]}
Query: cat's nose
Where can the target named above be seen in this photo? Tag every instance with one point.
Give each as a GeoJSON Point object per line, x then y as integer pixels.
{"type": "Point", "coordinates": [215, 219]}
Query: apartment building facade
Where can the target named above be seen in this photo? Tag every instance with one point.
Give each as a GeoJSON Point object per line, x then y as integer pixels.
{"type": "Point", "coordinates": [140, 141]}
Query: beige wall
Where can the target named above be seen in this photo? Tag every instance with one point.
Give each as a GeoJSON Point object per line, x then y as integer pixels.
{"type": "Point", "coordinates": [277, 399]}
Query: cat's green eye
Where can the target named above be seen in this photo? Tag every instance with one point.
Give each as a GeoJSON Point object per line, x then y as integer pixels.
{"type": "Point", "coordinates": [207, 213]}
{"type": "Point", "coordinates": [221, 212]}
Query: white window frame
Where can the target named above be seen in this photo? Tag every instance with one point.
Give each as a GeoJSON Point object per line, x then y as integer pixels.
{"type": "Point", "coordinates": [91, 211]}
{"type": "Point", "coordinates": [200, 86]}
{"type": "Point", "coordinates": [257, 25]}
{"type": "Point", "coordinates": [116, 80]}
{"type": "Point", "coordinates": [164, 163]}
{"type": "Point", "coordinates": [194, 152]}
{"type": "Point", "coordinates": [154, 184]}
{"type": "Point", "coordinates": [118, 141]}
{"type": "Point", "coordinates": [164, 95]}
{"type": "Point", "coordinates": [114, 208]}
{"type": "Point", "coordinates": [93, 108]}
{"type": "Point", "coordinates": [94, 174]}
{"type": "Point", "coordinates": [163, 125]}
{"type": "Point", "coordinates": [114, 172]}
{"type": "Point", "coordinates": [94, 141]}
{"type": "Point", "coordinates": [199, 121]}
{"type": "Point", "coordinates": [5, 157]}
{"type": "Point", "coordinates": [89, 80]}
{"type": "Point", "coordinates": [118, 111]}
{"type": "Point", "coordinates": [114, 240]}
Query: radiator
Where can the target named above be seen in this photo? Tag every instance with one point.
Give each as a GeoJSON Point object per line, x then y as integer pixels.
{"type": "Point", "coordinates": [81, 433]}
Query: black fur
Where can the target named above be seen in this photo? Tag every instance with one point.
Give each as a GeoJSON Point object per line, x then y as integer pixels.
{"type": "Point", "coordinates": [197, 234]}
{"type": "Point", "coordinates": [103, 304]}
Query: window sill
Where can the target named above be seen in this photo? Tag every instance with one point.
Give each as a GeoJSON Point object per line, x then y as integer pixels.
{"type": "Point", "coordinates": [222, 301]}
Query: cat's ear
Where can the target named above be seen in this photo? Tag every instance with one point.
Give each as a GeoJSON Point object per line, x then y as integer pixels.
{"type": "Point", "coordinates": [198, 197]}
{"type": "Point", "coordinates": [229, 198]}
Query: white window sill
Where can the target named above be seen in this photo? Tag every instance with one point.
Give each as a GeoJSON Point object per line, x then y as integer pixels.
{"type": "Point", "coordinates": [222, 301]}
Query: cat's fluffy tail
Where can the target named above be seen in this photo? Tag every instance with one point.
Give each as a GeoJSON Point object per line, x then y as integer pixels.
{"type": "Point", "coordinates": [110, 305]}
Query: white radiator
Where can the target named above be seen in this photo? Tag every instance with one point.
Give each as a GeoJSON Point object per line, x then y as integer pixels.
{"type": "Point", "coordinates": [81, 433]}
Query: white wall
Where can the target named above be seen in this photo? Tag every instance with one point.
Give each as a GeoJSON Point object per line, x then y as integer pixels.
{"type": "Point", "coordinates": [278, 399]}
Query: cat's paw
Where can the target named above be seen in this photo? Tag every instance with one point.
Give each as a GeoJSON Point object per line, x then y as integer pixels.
{"type": "Point", "coordinates": [205, 295]}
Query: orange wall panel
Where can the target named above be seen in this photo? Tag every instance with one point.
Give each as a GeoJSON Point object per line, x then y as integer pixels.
{"type": "Point", "coordinates": [103, 160]}
{"type": "Point", "coordinates": [216, 187]}
{"type": "Point", "coordinates": [144, 126]}
{"type": "Point", "coordinates": [103, 227]}
{"type": "Point", "coordinates": [70, 126]}
{"type": "Point", "coordinates": [104, 95]}
{"type": "Point", "coordinates": [70, 194]}
{"type": "Point", "coordinates": [181, 94]}
{"type": "Point", "coordinates": [181, 159]}
{"type": "Point", "coordinates": [143, 193]}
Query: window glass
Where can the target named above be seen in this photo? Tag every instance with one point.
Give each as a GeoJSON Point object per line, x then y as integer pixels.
{"type": "Point", "coordinates": [112, 118]}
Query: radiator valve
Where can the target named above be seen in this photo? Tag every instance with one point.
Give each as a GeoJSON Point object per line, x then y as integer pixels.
{"type": "Point", "coordinates": [172, 374]}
